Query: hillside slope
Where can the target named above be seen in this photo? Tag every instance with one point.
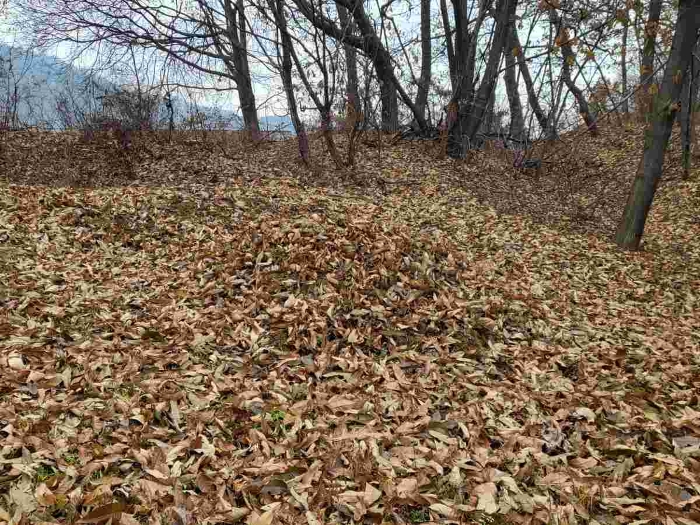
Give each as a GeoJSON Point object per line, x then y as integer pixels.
{"type": "Point", "coordinates": [233, 337]}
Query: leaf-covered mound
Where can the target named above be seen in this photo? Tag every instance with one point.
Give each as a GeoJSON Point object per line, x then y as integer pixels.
{"type": "Point", "coordinates": [262, 351]}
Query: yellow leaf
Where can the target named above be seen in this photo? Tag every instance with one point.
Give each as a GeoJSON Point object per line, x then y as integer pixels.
{"type": "Point", "coordinates": [353, 337]}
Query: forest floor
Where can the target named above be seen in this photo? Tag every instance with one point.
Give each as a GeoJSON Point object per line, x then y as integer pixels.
{"type": "Point", "coordinates": [206, 333]}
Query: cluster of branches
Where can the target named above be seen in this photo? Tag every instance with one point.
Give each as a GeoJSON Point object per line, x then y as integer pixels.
{"type": "Point", "coordinates": [341, 58]}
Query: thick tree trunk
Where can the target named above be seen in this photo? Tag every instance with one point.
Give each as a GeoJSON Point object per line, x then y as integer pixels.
{"type": "Point", "coordinates": [665, 106]}
{"type": "Point", "coordinates": [246, 96]}
{"type": "Point", "coordinates": [236, 32]}
{"type": "Point", "coordinates": [462, 80]}
{"type": "Point", "coordinates": [487, 122]}
{"type": "Point", "coordinates": [647, 71]}
{"type": "Point", "coordinates": [470, 121]}
{"type": "Point", "coordinates": [451, 64]}
{"type": "Point", "coordinates": [517, 121]}
{"type": "Point", "coordinates": [390, 106]}
{"type": "Point", "coordinates": [569, 60]}
{"type": "Point", "coordinates": [532, 98]}
{"type": "Point", "coordinates": [426, 58]}
{"type": "Point", "coordinates": [625, 106]}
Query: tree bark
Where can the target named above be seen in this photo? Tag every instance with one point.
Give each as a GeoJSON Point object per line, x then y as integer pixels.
{"type": "Point", "coordinates": [488, 121]}
{"type": "Point", "coordinates": [239, 66]}
{"type": "Point", "coordinates": [426, 58]}
{"type": "Point", "coordinates": [665, 106]}
{"type": "Point", "coordinates": [462, 76]}
{"type": "Point", "coordinates": [517, 121]}
{"type": "Point", "coordinates": [390, 106]}
{"type": "Point", "coordinates": [646, 75]}
{"type": "Point", "coordinates": [532, 98]}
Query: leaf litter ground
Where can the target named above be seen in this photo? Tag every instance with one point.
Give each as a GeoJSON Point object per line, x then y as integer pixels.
{"type": "Point", "coordinates": [230, 338]}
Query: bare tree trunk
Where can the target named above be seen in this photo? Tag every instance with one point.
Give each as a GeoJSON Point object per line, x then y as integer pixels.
{"type": "Point", "coordinates": [352, 90]}
{"type": "Point", "coordinates": [381, 58]}
{"type": "Point", "coordinates": [235, 22]}
{"type": "Point", "coordinates": [426, 58]}
{"type": "Point", "coordinates": [390, 106]}
{"type": "Point", "coordinates": [647, 71]}
{"type": "Point", "coordinates": [249, 109]}
{"type": "Point", "coordinates": [532, 97]}
{"type": "Point", "coordinates": [625, 106]}
{"type": "Point", "coordinates": [517, 121]}
{"type": "Point", "coordinates": [641, 196]}
{"type": "Point", "coordinates": [489, 117]}
{"type": "Point", "coordinates": [688, 97]}
{"type": "Point", "coordinates": [462, 77]}
{"type": "Point", "coordinates": [277, 8]}
{"type": "Point", "coordinates": [323, 106]}
{"type": "Point", "coordinates": [448, 41]}
{"type": "Point", "coordinates": [505, 10]}
{"type": "Point", "coordinates": [569, 60]}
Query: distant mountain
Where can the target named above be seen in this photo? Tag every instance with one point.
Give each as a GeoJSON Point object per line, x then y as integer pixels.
{"type": "Point", "coordinates": [48, 89]}
{"type": "Point", "coordinates": [32, 83]}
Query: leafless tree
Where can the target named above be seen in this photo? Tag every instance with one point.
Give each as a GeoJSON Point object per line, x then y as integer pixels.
{"type": "Point", "coordinates": [665, 106]}
{"type": "Point", "coordinates": [207, 36]}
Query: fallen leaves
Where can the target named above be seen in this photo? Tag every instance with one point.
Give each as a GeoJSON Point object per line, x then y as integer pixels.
{"type": "Point", "coordinates": [269, 353]}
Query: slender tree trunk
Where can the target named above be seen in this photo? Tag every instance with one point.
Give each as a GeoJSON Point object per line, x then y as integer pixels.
{"type": "Point", "coordinates": [646, 75]}
{"type": "Point", "coordinates": [426, 58]}
{"type": "Point", "coordinates": [688, 97]}
{"type": "Point", "coordinates": [277, 8]}
{"type": "Point", "coordinates": [235, 18]}
{"type": "Point", "coordinates": [451, 64]}
{"type": "Point", "coordinates": [624, 107]}
{"type": "Point", "coordinates": [372, 45]}
{"type": "Point", "coordinates": [505, 16]}
{"type": "Point", "coordinates": [368, 42]}
{"type": "Point", "coordinates": [569, 60]}
{"type": "Point", "coordinates": [665, 106]}
{"type": "Point", "coordinates": [532, 98]}
{"type": "Point", "coordinates": [352, 90]}
{"type": "Point", "coordinates": [517, 121]}
{"type": "Point", "coordinates": [323, 107]}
